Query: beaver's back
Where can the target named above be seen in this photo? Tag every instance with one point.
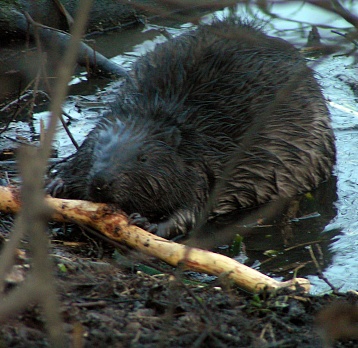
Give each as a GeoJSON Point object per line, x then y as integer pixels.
{"type": "Point", "coordinates": [225, 73]}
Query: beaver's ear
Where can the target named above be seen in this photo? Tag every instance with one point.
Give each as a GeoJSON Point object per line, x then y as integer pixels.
{"type": "Point", "coordinates": [172, 137]}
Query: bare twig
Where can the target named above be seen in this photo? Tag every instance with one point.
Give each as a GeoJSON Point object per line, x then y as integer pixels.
{"type": "Point", "coordinates": [32, 220]}
{"type": "Point", "coordinates": [319, 271]}
{"type": "Point", "coordinates": [336, 7]}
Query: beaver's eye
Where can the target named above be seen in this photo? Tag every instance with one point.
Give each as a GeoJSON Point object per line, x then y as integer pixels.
{"type": "Point", "coordinates": [142, 158]}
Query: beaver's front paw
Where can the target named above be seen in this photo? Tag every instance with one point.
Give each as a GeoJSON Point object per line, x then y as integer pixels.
{"type": "Point", "coordinates": [55, 187]}
{"type": "Point", "coordinates": [142, 222]}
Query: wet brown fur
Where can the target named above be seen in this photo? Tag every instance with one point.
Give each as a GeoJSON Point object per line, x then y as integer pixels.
{"type": "Point", "coordinates": [223, 112]}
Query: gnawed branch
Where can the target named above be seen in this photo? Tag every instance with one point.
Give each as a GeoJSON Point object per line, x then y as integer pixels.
{"type": "Point", "coordinates": [114, 224]}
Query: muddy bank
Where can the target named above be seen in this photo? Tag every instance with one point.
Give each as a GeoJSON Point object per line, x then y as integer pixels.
{"type": "Point", "coordinates": [114, 302]}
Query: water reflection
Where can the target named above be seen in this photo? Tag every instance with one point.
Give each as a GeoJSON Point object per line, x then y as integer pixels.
{"type": "Point", "coordinates": [283, 229]}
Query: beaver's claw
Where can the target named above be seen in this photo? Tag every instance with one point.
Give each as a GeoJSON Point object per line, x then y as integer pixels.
{"type": "Point", "coordinates": [55, 187]}
{"type": "Point", "coordinates": [142, 222]}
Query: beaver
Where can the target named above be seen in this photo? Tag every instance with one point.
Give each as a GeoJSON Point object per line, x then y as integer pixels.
{"type": "Point", "coordinates": [216, 120]}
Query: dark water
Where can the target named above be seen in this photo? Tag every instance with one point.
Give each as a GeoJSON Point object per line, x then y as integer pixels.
{"type": "Point", "coordinates": [326, 220]}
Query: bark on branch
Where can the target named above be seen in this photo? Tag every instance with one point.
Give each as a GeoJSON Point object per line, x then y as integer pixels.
{"type": "Point", "coordinates": [114, 224]}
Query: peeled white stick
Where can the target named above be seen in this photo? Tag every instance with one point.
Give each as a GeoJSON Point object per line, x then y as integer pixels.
{"type": "Point", "coordinates": [114, 224]}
